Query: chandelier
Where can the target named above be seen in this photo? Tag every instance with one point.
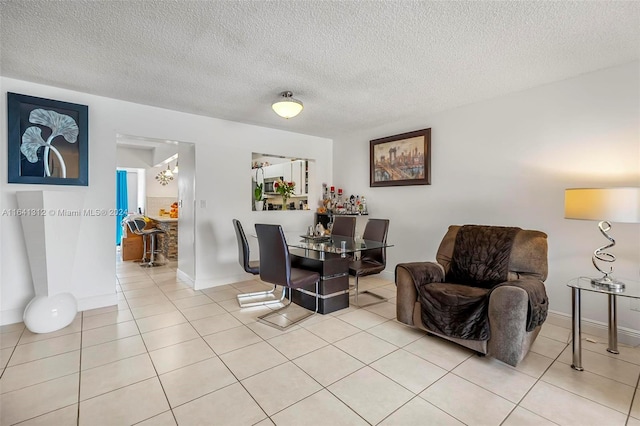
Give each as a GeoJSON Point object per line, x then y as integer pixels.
{"type": "Point", "coordinates": [165, 176]}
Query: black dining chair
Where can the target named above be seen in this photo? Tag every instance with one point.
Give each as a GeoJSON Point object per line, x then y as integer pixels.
{"type": "Point", "coordinates": [344, 226]}
{"type": "Point", "coordinates": [372, 261]}
{"type": "Point", "coordinates": [275, 268]}
{"type": "Point", "coordinates": [252, 267]}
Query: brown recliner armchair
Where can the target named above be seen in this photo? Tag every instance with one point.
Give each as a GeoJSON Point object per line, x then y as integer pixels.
{"type": "Point", "coordinates": [485, 292]}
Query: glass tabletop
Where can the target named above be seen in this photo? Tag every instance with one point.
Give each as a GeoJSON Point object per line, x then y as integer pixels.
{"type": "Point", "coordinates": [631, 287]}
{"type": "Point", "coordinates": [333, 244]}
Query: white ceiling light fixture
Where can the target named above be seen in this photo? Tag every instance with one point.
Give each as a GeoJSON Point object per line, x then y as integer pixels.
{"type": "Point", "coordinates": [175, 169]}
{"type": "Point", "coordinates": [286, 106]}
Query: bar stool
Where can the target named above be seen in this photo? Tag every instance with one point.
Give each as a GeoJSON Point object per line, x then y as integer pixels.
{"type": "Point", "coordinates": [137, 225]}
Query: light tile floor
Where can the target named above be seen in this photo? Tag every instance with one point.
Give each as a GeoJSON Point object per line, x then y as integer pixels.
{"type": "Point", "coordinates": [167, 355]}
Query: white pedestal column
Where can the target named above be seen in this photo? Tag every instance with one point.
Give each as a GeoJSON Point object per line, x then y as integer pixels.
{"type": "Point", "coordinates": [51, 224]}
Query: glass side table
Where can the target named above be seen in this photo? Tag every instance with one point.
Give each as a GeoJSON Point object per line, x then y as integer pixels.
{"type": "Point", "coordinates": [632, 290]}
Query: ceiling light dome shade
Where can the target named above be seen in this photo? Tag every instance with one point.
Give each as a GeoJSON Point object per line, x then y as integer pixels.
{"type": "Point", "coordinates": [287, 106]}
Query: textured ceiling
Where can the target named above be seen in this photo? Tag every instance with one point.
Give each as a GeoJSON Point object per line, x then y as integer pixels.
{"type": "Point", "coordinates": [354, 64]}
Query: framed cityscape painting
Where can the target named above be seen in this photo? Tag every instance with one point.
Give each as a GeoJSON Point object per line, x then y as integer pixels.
{"type": "Point", "coordinates": [403, 159]}
{"type": "Point", "coordinates": [47, 141]}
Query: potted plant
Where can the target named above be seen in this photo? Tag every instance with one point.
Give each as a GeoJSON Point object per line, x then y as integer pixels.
{"type": "Point", "coordinates": [285, 189]}
{"type": "Point", "coordinates": [257, 195]}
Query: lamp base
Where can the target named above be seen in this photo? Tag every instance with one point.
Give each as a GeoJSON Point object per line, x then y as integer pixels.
{"type": "Point", "coordinates": [608, 283]}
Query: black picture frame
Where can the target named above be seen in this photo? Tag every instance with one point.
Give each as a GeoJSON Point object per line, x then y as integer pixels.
{"type": "Point", "coordinates": [400, 160]}
{"type": "Point", "coordinates": [59, 160]}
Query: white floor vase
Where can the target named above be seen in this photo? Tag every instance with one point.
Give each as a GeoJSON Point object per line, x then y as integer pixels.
{"type": "Point", "coordinates": [50, 224]}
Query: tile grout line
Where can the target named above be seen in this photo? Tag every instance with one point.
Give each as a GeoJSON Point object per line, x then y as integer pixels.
{"type": "Point", "coordinates": [201, 337]}
{"type": "Point", "coordinates": [234, 376]}
{"type": "Point", "coordinates": [633, 397]}
{"type": "Point", "coordinates": [13, 351]}
{"type": "Point", "coordinates": [80, 369]}
{"type": "Point", "coordinates": [151, 359]}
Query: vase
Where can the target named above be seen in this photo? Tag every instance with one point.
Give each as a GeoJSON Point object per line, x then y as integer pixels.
{"type": "Point", "coordinates": [284, 203]}
{"type": "Point", "coordinates": [259, 205]}
{"type": "Point", "coordinates": [47, 236]}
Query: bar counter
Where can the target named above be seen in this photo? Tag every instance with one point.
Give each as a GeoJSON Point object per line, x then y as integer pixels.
{"type": "Point", "coordinates": [167, 242]}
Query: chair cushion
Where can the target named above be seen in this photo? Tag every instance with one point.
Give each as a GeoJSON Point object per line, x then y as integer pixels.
{"type": "Point", "coordinates": [152, 231]}
{"type": "Point", "coordinates": [365, 267]}
{"type": "Point", "coordinates": [528, 254]}
{"type": "Point", "coordinates": [481, 255]}
{"type": "Point", "coordinates": [460, 311]}
{"type": "Point", "coordinates": [302, 277]}
{"type": "Point", "coordinates": [455, 310]}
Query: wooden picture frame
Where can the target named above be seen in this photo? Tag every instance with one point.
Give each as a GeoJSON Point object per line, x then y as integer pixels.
{"type": "Point", "coordinates": [400, 160]}
{"type": "Point", "coordinates": [47, 141]}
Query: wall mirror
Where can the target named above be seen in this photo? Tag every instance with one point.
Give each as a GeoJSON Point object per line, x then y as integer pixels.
{"type": "Point", "coordinates": [267, 173]}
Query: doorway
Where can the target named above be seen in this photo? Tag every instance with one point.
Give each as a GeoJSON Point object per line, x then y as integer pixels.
{"type": "Point", "coordinates": [161, 186]}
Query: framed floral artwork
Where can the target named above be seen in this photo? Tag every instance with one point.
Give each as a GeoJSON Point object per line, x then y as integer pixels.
{"type": "Point", "coordinates": [47, 141]}
{"type": "Point", "coordinates": [403, 159]}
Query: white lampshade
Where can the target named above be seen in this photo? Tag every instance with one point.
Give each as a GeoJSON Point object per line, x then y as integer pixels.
{"type": "Point", "coordinates": [286, 106]}
{"type": "Point", "coordinates": [175, 169]}
{"type": "Point", "coordinates": [610, 204]}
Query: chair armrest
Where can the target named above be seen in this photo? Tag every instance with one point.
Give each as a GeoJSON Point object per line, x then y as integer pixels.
{"type": "Point", "coordinates": [508, 324]}
{"type": "Point", "coordinates": [517, 309]}
{"type": "Point", "coordinates": [537, 300]}
{"type": "Point", "coordinates": [422, 273]}
{"type": "Point", "coordinates": [409, 277]}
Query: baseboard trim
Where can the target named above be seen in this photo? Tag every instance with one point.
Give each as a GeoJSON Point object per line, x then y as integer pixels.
{"type": "Point", "coordinates": [11, 316]}
{"type": "Point", "coordinates": [204, 284]}
{"type": "Point", "coordinates": [96, 302]}
{"type": "Point", "coordinates": [185, 278]}
{"type": "Point", "coordinates": [598, 329]}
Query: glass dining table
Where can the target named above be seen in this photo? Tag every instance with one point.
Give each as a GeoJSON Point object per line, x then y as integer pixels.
{"type": "Point", "coordinates": [329, 256]}
{"type": "Point", "coordinates": [332, 244]}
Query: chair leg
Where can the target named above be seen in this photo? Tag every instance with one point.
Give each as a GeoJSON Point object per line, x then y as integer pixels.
{"type": "Point", "coordinates": [144, 250]}
{"type": "Point", "coordinates": [266, 294]}
{"type": "Point", "coordinates": [356, 292]}
{"type": "Point", "coordinates": [317, 295]}
{"type": "Point", "coordinates": [151, 260]}
{"type": "Point", "coordinates": [152, 257]}
{"type": "Point", "coordinates": [355, 295]}
{"type": "Point", "coordinates": [144, 261]}
{"type": "Point", "coordinates": [278, 312]}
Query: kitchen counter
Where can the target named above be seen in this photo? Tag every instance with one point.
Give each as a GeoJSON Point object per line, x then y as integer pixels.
{"type": "Point", "coordinates": [167, 241]}
{"type": "Point", "coordinates": [163, 218]}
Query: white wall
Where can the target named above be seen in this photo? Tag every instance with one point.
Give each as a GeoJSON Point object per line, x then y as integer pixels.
{"type": "Point", "coordinates": [507, 161]}
{"type": "Point", "coordinates": [223, 153]}
{"type": "Point", "coordinates": [133, 158]}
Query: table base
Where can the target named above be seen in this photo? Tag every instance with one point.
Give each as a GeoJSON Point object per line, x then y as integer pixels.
{"type": "Point", "coordinates": [333, 286]}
